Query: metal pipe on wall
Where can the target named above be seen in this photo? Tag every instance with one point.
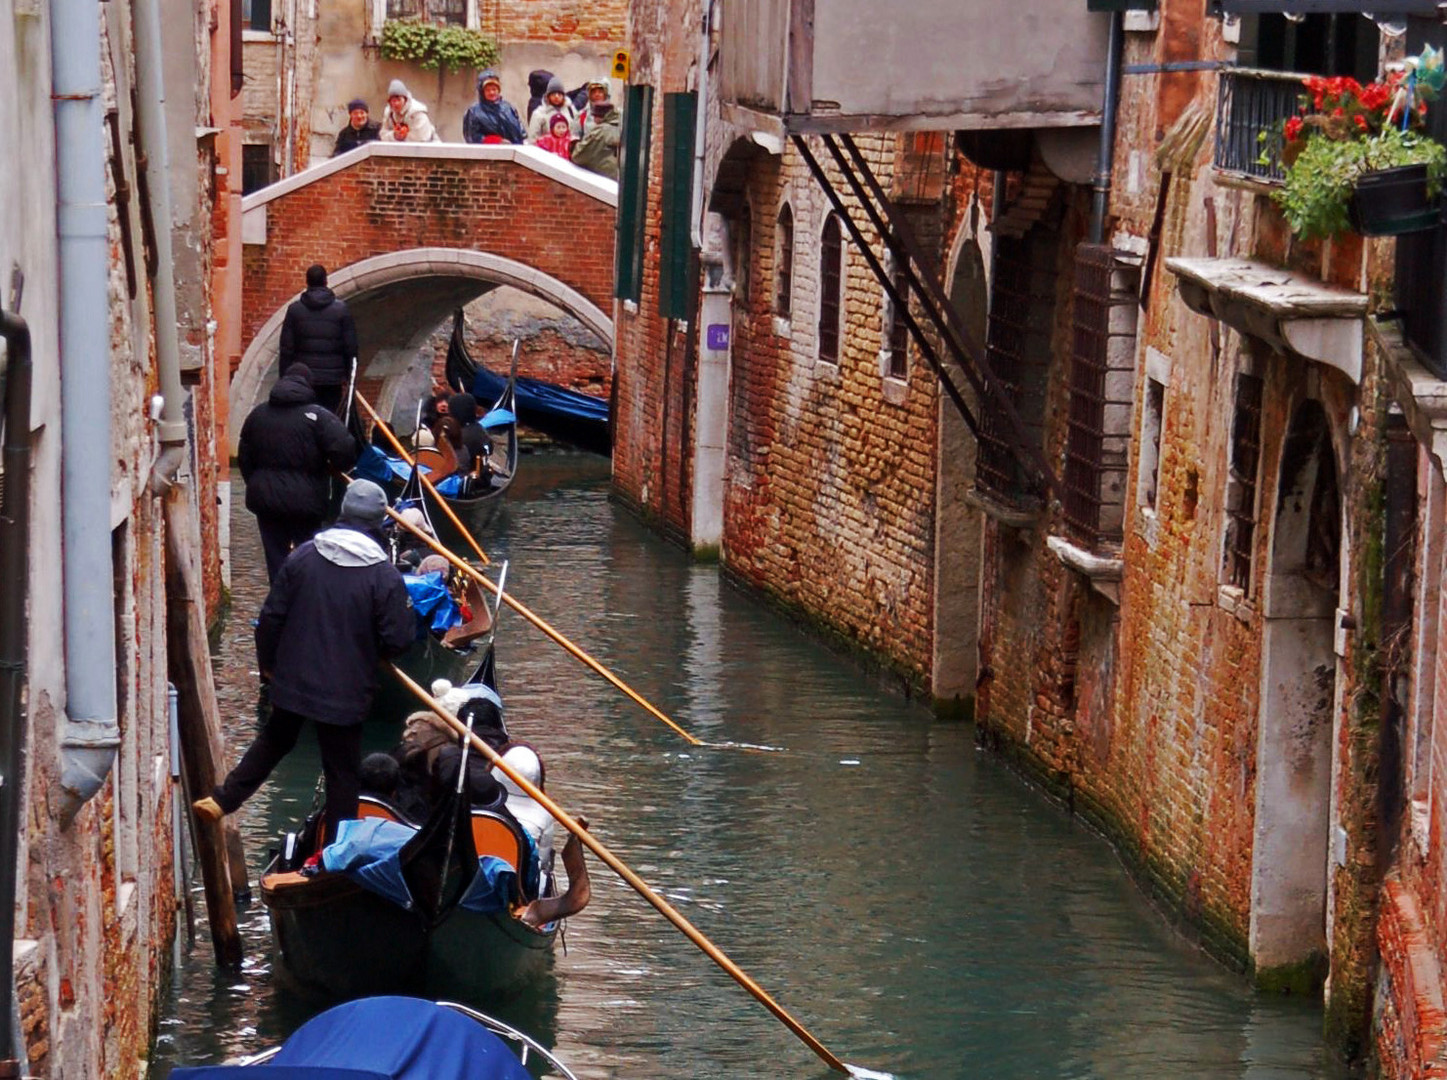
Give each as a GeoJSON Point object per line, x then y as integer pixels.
{"type": "Point", "coordinates": [91, 732]}
{"type": "Point", "coordinates": [1105, 158]}
{"type": "Point", "coordinates": [14, 633]}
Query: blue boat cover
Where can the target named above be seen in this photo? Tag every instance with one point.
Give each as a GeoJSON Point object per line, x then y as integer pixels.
{"type": "Point", "coordinates": [369, 852]}
{"type": "Point", "coordinates": [534, 394]}
{"type": "Point", "coordinates": [380, 468]}
{"type": "Point", "coordinates": [492, 888]}
{"type": "Point", "coordinates": [433, 604]}
{"type": "Point", "coordinates": [387, 1038]}
{"type": "Point", "coordinates": [499, 418]}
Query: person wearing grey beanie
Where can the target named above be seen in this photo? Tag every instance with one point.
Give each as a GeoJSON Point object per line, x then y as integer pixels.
{"type": "Point", "coordinates": [406, 119]}
{"type": "Point", "coordinates": [555, 102]}
{"type": "Point", "coordinates": [336, 610]}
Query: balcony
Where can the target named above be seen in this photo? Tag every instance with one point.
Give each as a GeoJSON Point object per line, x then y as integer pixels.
{"type": "Point", "coordinates": [1248, 104]}
{"type": "Point", "coordinates": [799, 66]}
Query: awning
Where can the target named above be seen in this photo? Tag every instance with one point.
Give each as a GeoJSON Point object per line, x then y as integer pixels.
{"type": "Point", "coordinates": [1293, 313]}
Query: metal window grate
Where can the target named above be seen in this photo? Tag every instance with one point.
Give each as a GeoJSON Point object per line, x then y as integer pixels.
{"type": "Point", "coordinates": [1085, 439]}
{"type": "Point", "coordinates": [898, 343]}
{"type": "Point", "coordinates": [831, 265]}
{"type": "Point", "coordinates": [1241, 486]}
{"type": "Point", "coordinates": [997, 466]}
{"type": "Point", "coordinates": [784, 263]}
{"type": "Point", "coordinates": [438, 11]}
{"type": "Point", "coordinates": [1250, 103]}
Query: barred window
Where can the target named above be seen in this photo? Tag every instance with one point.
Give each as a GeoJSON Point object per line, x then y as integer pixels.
{"type": "Point", "coordinates": [831, 280]}
{"type": "Point", "coordinates": [1241, 482]}
{"type": "Point", "coordinates": [784, 262]}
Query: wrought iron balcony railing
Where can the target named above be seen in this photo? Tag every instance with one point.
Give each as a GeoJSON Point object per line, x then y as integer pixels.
{"type": "Point", "coordinates": [1251, 106]}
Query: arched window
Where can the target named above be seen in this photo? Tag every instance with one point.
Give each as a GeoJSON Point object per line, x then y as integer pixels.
{"type": "Point", "coordinates": [784, 262]}
{"type": "Point", "coordinates": [831, 281]}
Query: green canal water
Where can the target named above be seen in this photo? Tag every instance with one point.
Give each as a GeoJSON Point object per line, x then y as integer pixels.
{"type": "Point", "coordinates": [905, 896]}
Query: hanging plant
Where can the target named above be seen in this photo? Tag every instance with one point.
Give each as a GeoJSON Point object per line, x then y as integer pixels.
{"type": "Point", "coordinates": [1345, 136]}
{"type": "Point", "coordinates": [430, 46]}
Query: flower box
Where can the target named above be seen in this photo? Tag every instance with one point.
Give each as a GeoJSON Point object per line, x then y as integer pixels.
{"type": "Point", "coordinates": [1390, 202]}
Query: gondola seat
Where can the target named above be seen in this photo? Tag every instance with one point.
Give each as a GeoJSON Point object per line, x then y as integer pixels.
{"type": "Point", "coordinates": [493, 834]}
{"type": "Point", "coordinates": [440, 461]}
{"type": "Point", "coordinates": [369, 806]}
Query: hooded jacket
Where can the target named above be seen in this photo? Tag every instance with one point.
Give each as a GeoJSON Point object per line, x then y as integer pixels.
{"type": "Point", "coordinates": [597, 150]}
{"type": "Point", "coordinates": [414, 115]}
{"type": "Point", "coordinates": [541, 119]}
{"type": "Point", "coordinates": [496, 118]}
{"type": "Point", "coordinates": [336, 608]}
{"type": "Point", "coordinates": [318, 331]}
{"type": "Point", "coordinates": [475, 443]}
{"type": "Point", "coordinates": [287, 447]}
{"type": "Point", "coordinates": [537, 89]}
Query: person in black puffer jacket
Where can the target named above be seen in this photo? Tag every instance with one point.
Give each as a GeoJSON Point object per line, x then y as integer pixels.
{"type": "Point", "coordinates": [475, 443]}
{"type": "Point", "coordinates": [318, 331]}
{"type": "Point", "coordinates": [288, 446]}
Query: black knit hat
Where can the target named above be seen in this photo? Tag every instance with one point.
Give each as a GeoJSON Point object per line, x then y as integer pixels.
{"type": "Point", "coordinates": [357, 103]}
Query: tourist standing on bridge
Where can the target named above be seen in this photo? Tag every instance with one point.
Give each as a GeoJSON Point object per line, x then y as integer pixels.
{"type": "Point", "coordinates": [555, 103]}
{"type": "Point", "coordinates": [491, 120]}
{"type": "Point", "coordinates": [559, 140]}
{"type": "Point", "coordinates": [406, 119]}
{"type": "Point", "coordinates": [318, 331]}
{"type": "Point", "coordinates": [288, 448]}
{"type": "Point", "coordinates": [337, 608]}
{"type": "Point", "coordinates": [360, 128]}
{"type": "Point", "coordinates": [597, 150]}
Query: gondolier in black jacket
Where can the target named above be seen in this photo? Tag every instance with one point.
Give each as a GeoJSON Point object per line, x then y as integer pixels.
{"type": "Point", "coordinates": [318, 331]}
{"type": "Point", "coordinates": [288, 447]}
{"type": "Point", "coordinates": [335, 610]}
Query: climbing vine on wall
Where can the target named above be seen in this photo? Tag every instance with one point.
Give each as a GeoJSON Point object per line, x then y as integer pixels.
{"type": "Point", "coordinates": [430, 46]}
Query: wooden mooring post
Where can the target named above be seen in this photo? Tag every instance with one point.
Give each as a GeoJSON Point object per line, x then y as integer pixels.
{"type": "Point", "coordinates": [188, 656]}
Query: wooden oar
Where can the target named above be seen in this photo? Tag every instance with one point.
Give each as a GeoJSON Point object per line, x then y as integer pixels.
{"type": "Point", "coordinates": [540, 623]}
{"type": "Point", "coordinates": [402, 452]}
{"type": "Point", "coordinates": [712, 951]}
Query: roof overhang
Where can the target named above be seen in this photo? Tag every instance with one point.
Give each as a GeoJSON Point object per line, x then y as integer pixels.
{"type": "Point", "coordinates": [1291, 312]}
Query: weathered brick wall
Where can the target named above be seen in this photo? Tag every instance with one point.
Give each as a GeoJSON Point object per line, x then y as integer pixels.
{"type": "Point", "coordinates": [562, 22]}
{"type": "Point", "coordinates": [385, 204]}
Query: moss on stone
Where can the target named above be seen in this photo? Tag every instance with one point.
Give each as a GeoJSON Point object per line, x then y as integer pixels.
{"type": "Point", "coordinates": [705, 553]}
{"type": "Point", "coordinates": [1305, 978]}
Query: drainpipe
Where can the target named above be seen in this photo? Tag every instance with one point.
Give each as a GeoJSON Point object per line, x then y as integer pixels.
{"type": "Point", "coordinates": [90, 734]}
{"type": "Point", "coordinates": [156, 160]}
{"type": "Point", "coordinates": [700, 121]}
{"type": "Point", "coordinates": [14, 582]}
{"type": "Point", "coordinates": [1105, 158]}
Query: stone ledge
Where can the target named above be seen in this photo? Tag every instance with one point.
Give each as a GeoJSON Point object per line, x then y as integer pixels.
{"type": "Point", "coordinates": [1103, 571]}
{"type": "Point", "coordinates": [1291, 312]}
{"type": "Point", "coordinates": [1007, 514]}
{"type": "Point", "coordinates": [1421, 394]}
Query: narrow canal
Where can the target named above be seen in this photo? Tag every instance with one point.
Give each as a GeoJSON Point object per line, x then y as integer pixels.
{"type": "Point", "coordinates": [905, 896]}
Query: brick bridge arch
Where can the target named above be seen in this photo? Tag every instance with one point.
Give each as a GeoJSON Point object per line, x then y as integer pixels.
{"type": "Point", "coordinates": [409, 232]}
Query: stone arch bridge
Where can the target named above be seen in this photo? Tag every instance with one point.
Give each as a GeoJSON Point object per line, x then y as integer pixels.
{"type": "Point", "coordinates": [409, 232]}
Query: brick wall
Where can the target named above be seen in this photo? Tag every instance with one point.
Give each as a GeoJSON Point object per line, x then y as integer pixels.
{"type": "Point", "coordinates": [562, 22]}
{"type": "Point", "coordinates": [389, 204]}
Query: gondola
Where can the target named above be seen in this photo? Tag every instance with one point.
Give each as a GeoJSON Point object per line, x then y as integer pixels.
{"type": "Point", "coordinates": [395, 1038]}
{"type": "Point", "coordinates": [424, 919]}
{"type": "Point", "coordinates": [566, 415]}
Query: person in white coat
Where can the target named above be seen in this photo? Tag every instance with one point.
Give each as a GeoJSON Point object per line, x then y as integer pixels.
{"type": "Point", "coordinates": [405, 118]}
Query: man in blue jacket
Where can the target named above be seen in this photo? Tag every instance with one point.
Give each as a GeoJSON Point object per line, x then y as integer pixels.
{"type": "Point", "coordinates": [491, 120]}
{"type": "Point", "coordinates": [337, 608]}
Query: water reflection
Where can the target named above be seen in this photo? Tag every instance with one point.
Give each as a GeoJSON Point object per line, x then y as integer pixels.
{"type": "Point", "coordinates": [909, 900]}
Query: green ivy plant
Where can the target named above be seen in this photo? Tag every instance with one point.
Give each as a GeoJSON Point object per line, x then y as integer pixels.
{"type": "Point", "coordinates": [430, 46]}
{"type": "Point", "coordinates": [1320, 180]}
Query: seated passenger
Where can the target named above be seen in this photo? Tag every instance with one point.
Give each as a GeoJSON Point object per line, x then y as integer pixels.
{"type": "Point", "coordinates": [381, 777]}
{"type": "Point", "coordinates": [530, 815]}
{"type": "Point", "coordinates": [475, 447]}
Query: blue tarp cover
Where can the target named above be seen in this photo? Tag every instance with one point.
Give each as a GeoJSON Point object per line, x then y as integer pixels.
{"type": "Point", "coordinates": [392, 1038]}
{"type": "Point", "coordinates": [432, 602]}
{"type": "Point", "coordinates": [369, 852]}
{"type": "Point", "coordinates": [492, 888]}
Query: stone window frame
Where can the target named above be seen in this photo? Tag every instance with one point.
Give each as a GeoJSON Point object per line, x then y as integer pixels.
{"type": "Point", "coordinates": [1152, 432]}
{"type": "Point", "coordinates": [782, 302]}
{"type": "Point", "coordinates": [741, 253]}
{"type": "Point", "coordinates": [1427, 627]}
{"type": "Point", "coordinates": [841, 296]}
{"type": "Point", "coordinates": [893, 333]}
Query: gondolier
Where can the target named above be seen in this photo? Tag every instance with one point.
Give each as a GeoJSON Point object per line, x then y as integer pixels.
{"type": "Point", "coordinates": [318, 330]}
{"type": "Point", "coordinates": [336, 608]}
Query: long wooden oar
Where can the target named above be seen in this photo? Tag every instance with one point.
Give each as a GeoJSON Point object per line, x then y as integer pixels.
{"type": "Point", "coordinates": [541, 624]}
{"type": "Point", "coordinates": [426, 483]}
{"type": "Point", "coordinates": [712, 951]}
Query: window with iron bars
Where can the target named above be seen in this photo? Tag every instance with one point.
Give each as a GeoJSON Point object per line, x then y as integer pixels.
{"type": "Point", "coordinates": [1242, 482]}
{"type": "Point", "coordinates": [1102, 383]}
{"type": "Point", "coordinates": [1017, 345]}
{"type": "Point", "coordinates": [831, 288]}
{"type": "Point", "coordinates": [1275, 55]}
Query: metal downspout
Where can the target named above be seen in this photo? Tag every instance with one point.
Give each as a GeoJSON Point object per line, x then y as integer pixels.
{"type": "Point", "coordinates": [91, 733]}
{"type": "Point", "coordinates": [14, 631]}
{"type": "Point", "coordinates": [1105, 157]}
{"type": "Point", "coordinates": [700, 123]}
{"type": "Point", "coordinates": [156, 156]}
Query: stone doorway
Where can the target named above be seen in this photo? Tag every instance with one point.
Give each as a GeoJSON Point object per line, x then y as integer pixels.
{"type": "Point", "coordinates": [1299, 676]}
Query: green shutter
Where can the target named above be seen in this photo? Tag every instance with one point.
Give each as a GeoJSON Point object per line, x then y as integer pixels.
{"type": "Point", "coordinates": [678, 266]}
{"type": "Point", "coordinates": [633, 193]}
